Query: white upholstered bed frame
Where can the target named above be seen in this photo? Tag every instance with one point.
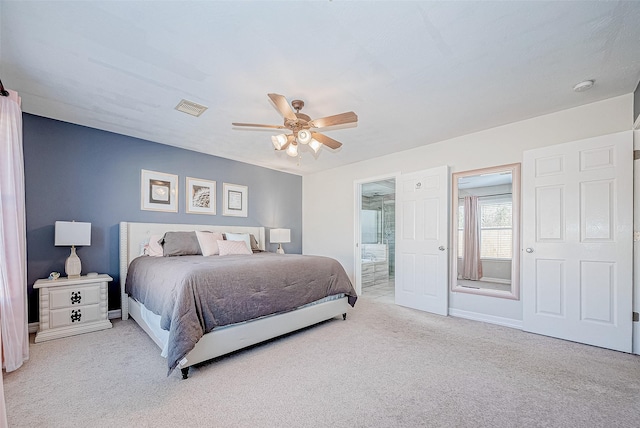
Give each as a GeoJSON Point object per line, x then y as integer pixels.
{"type": "Point", "coordinates": [226, 340]}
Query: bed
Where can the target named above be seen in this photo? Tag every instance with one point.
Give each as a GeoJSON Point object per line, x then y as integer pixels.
{"type": "Point", "coordinates": [221, 333]}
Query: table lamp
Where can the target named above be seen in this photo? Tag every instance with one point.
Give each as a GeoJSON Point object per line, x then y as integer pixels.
{"type": "Point", "coordinates": [72, 233]}
{"type": "Point", "coordinates": [280, 236]}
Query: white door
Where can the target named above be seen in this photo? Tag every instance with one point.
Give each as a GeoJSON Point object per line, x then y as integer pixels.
{"type": "Point", "coordinates": [577, 241]}
{"type": "Point", "coordinates": [421, 240]}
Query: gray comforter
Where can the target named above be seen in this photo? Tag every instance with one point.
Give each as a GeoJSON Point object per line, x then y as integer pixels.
{"type": "Point", "coordinates": [195, 294]}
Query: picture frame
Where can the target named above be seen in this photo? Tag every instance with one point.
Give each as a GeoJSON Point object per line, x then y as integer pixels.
{"type": "Point", "coordinates": [158, 191]}
{"type": "Point", "coordinates": [235, 200]}
{"type": "Point", "coordinates": [201, 196]}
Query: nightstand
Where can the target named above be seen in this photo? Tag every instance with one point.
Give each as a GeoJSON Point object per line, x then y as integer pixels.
{"type": "Point", "coordinates": [70, 306]}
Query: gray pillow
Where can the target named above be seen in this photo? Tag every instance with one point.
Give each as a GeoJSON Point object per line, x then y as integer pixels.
{"type": "Point", "coordinates": [254, 244]}
{"type": "Point", "coordinates": [180, 244]}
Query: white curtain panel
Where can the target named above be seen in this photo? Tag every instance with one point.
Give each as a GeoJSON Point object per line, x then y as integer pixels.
{"type": "Point", "coordinates": [3, 408]}
{"type": "Point", "coordinates": [13, 254]}
{"type": "Point", "coordinates": [471, 265]}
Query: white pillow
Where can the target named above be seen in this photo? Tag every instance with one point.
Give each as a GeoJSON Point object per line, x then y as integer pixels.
{"type": "Point", "coordinates": [153, 248]}
{"type": "Point", "coordinates": [239, 237]}
{"type": "Point", "coordinates": [228, 248]}
{"type": "Point", "coordinates": [209, 242]}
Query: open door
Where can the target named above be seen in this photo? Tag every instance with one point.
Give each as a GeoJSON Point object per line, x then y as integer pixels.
{"type": "Point", "coordinates": [577, 221]}
{"type": "Point", "coordinates": [375, 234]}
{"type": "Point", "coordinates": [422, 240]}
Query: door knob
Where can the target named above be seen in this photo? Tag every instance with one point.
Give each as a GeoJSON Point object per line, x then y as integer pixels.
{"type": "Point", "coordinates": [441, 248]}
{"type": "Point", "coordinates": [529, 250]}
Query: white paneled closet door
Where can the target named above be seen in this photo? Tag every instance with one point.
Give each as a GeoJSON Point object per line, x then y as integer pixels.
{"type": "Point", "coordinates": [577, 241]}
{"type": "Point", "coordinates": [422, 240]}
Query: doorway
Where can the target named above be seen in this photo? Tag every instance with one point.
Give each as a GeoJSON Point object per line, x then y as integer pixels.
{"type": "Point", "coordinates": [375, 257]}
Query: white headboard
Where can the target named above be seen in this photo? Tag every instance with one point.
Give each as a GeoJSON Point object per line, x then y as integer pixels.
{"type": "Point", "coordinates": [133, 235]}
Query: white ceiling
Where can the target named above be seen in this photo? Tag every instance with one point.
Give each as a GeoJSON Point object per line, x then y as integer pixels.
{"type": "Point", "coordinates": [414, 72]}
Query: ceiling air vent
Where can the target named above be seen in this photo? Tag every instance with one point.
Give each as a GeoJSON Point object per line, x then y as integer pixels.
{"type": "Point", "coordinates": [189, 107]}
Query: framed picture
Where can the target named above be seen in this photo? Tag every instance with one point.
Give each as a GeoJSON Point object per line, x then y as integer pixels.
{"type": "Point", "coordinates": [158, 191]}
{"type": "Point", "coordinates": [235, 200]}
{"type": "Point", "coordinates": [201, 196]}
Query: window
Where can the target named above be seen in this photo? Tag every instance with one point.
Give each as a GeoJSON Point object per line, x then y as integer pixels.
{"type": "Point", "coordinates": [495, 227]}
{"type": "Point", "coordinates": [460, 228]}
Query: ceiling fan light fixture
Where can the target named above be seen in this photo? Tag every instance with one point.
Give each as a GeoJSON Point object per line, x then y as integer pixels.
{"type": "Point", "coordinates": [304, 136]}
{"type": "Point", "coordinates": [315, 145]}
{"type": "Point", "coordinates": [300, 125]}
{"type": "Point", "coordinates": [292, 150]}
{"type": "Point", "coordinates": [279, 141]}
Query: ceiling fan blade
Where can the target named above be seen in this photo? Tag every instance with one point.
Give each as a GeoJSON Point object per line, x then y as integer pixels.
{"type": "Point", "coordinates": [327, 141]}
{"type": "Point", "coordinates": [338, 119]}
{"type": "Point", "coordinates": [255, 125]}
{"type": "Point", "coordinates": [283, 106]}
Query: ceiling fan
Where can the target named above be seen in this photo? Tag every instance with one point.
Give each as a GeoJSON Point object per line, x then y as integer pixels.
{"type": "Point", "coordinates": [302, 127]}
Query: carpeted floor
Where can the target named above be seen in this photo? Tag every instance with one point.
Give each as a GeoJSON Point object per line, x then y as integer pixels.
{"type": "Point", "coordinates": [385, 366]}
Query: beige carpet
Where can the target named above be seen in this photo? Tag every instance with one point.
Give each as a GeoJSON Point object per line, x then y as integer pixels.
{"type": "Point", "coordinates": [385, 366]}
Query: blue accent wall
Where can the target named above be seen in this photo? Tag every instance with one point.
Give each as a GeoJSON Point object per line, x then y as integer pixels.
{"type": "Point", "coordinates": [77, 173]}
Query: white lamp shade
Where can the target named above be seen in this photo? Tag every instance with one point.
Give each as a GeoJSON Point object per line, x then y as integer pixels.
{"type": "Point", "coordinates": [279, 236]}
{"type": "Point", "coordinates": [315, 145]}
{"type": "Point", "coordinates": [279, 141]}
{"type": "Point", "coordinates": [69, 233]}
{"type": "Point", "coordinates": [292, 150]}
{"type": "Point", "coordinates": [304, 136]}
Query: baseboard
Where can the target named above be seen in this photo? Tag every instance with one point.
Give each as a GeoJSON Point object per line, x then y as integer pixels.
{"type": "Point", "coordinates": [116, 313]}
{"type": "Point", "coordinates": [491, 319]}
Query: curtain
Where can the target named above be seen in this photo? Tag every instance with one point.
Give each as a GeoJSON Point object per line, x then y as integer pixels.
{"type": "Point", "coordinates": [13, 253]}
{"type": "Point", "coordinates": [3, 409]}
{"type": "Point", "coordinates": [471, 265]}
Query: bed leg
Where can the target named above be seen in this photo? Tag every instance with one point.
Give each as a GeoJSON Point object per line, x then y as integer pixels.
{"type": "Point", "coordinates": [344, 316]}
{"type": "Point", "coordinates": [185, 372]}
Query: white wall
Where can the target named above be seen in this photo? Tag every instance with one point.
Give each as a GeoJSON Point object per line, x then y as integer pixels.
{"type": "Point", "coordinates": [328, 196]}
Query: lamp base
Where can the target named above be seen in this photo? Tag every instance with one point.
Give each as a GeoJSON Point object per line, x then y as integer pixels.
{"type": "Point", "coordinates": [73, 266]}
{"type": "Point", "coordinates": [280, 250]}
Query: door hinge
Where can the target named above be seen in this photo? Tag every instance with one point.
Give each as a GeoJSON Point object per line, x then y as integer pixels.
{"type": "Point", "coordinates": [636, 154]}
{"type": "Point", "coordinates": [636, 317]}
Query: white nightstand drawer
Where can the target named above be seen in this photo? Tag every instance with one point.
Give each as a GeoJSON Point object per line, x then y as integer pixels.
{"type": "Point", "coordinates": [73, 316]}
{"type": "Point", "coordinates": [74, 296]}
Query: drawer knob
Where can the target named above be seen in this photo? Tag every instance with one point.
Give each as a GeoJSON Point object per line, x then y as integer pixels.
{"type": "Point", "coordinates": [76, 315]}
{"type": "Point", "coordinates": [75, 297]}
